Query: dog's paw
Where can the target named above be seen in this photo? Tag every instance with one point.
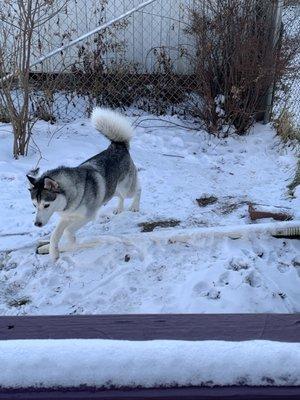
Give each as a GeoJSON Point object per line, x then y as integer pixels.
{"type": "Point", "coordinates": [43, 248]}
{"type": "Point", "coordinates": [134, 208]}
{"type": "Point", "coordinates": [118, 211]}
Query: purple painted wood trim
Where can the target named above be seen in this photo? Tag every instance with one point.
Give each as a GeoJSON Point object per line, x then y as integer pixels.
{"type": "Point", "coordinates": [191, 393]}
{"type": "Point", "coordinates": [279, 327]}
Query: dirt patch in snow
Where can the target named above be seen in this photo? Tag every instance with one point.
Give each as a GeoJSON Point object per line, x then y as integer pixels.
{"type": "Point", "coordinates": [150, 226]}
{"type": "Point", "coordinates": [206, 200]}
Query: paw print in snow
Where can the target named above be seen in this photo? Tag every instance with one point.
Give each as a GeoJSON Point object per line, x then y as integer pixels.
{"type": "Point", "coordinates": [237, 264]}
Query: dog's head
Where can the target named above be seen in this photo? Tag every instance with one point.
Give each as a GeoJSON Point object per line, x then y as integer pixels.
{"type": "Point", "coordinates": [47, 197]}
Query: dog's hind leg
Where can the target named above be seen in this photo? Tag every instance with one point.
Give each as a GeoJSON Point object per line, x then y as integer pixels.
{"type": "Point", "coordinates": [135, 206]}
{"type": "Point", "coordinates": [120, 207]}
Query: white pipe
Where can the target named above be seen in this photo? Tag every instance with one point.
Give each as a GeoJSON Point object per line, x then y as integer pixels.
{"type": "Point", "coordinates": [80, 38]}
{"type": "Point", "coordinates": [233, 231]}
{"type": "Point", "coordinates": [184, 235]}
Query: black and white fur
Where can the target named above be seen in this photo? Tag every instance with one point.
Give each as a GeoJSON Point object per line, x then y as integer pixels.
{"type": "Point", "coordinates": [77, 193]}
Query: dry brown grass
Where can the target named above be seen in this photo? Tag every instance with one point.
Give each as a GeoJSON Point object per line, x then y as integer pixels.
{"type": "Point", "coordinates": [286, 128]}
{"type": "Point", "coordinates": [296, 180]}
{"type": "Point", "coordinates": [240, 56]}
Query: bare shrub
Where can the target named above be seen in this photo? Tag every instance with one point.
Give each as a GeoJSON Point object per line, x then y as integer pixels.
{"type": "Point", "coordinates": [19, 24]}
{"type": "Point", "coordinates": [97, 73]}
{"type": "Point", "coordinates": [4, 114]}
{"type": "Point", "coordinates": [165, 89]}
{"type": "Point", "coordinates": [237, 61]}
{"type": "Point", "coordinates": [44, 109]}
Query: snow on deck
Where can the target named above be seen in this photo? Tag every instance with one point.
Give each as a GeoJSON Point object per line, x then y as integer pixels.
{"type": "Point", "coordinates": [115, 363]}
{"type": "Point", "coordinates": [177, 166]}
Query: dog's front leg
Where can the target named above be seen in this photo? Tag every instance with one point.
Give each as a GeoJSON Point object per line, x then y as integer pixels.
{"type": "Point", "coordinates": [73, 227]}
{"type": "Point", "coordinates": [55, 238]}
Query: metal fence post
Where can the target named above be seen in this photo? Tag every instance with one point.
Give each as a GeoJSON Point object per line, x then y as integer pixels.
{"type": "Point", "coordinates": [277, 22]}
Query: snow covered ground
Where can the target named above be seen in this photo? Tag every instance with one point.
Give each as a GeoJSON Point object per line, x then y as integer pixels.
{"type": "Point", "coordinates": [104, 363]}
{"type": "Point", "coordinates": [177, 166]}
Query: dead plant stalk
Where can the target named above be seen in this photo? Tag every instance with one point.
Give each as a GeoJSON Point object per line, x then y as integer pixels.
{"type": "Point", "coordinates": [19, 23]}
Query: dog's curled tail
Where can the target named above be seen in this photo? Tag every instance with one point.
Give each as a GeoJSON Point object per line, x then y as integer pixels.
{"type": "Point", "coordinates": [112, 125]}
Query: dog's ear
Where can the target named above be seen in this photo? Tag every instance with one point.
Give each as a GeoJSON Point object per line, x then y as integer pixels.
{"type": "Point", "coordinates": [50, 184]}
{"type": "Point", "coordinates": [32, 180]}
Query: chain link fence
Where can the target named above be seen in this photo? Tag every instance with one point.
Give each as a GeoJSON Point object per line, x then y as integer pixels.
{"type": "Point", "coordinates": [139, 61]}
{"type": "Point", "coordinates": [144, 61]}
{"type": "Point", "coordinates": [288, 94]}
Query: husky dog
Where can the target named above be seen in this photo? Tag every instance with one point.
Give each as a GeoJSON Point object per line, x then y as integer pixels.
{"type": "Point", "coordinates": [77, 193]}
